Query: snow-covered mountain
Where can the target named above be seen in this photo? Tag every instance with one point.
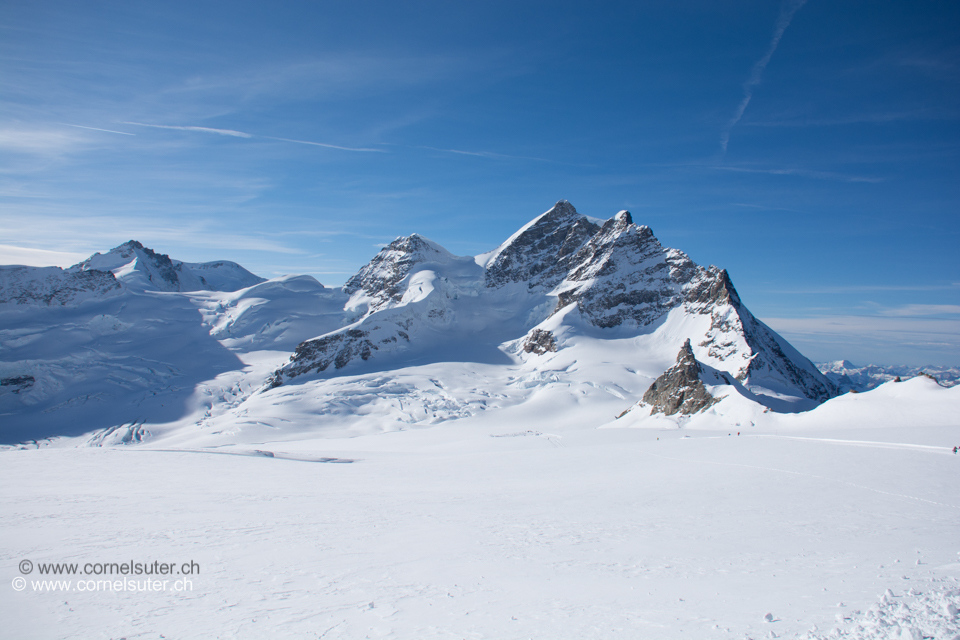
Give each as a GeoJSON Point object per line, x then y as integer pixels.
{"type": "Point", "coordinates": [850, 377]}
{"type": "Point", "coordinates": [560, 273]}
{"type": "Point", "coordinates": [569, 311]}
{"type": "Point", "coordinates": [141, 268]}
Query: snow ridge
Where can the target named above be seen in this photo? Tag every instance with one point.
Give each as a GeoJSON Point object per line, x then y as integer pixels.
{"type": "Point", "coordinates": [52, 286]}
{"type": "Point", "coordinates": [143, 269]}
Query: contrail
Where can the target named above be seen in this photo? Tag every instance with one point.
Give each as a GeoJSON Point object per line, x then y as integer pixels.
{"type": "Point", "coordinates": [80, 126]}
{"type": "Point", "coordinates": [221, 132]}
{"type": "Point", "coordinates": [324, 144]}
{"type": "Point", "coordinates": [244, 134]}
{"type": "Point", "coordinates": [787, 11]}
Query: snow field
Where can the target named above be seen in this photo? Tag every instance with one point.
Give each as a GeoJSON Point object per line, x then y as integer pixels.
{"type": "Point", "coordinates": [448, 532]}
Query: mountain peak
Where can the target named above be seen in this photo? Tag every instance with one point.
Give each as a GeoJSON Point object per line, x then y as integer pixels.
{"type": "Point", "coordinates": [564, 207]}
{"type": "Point", "coordinates": [382, 279]}
{"type": "Point", "coordinates": [143, 268]}
{"type": "Point", "coordinates": [539, 250]}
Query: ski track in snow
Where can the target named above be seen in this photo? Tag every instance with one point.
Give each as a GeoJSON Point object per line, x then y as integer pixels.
{"type": "Point", "coordinates": [276, 455]}
{"type": "Point", "coordinates": [942, 450]}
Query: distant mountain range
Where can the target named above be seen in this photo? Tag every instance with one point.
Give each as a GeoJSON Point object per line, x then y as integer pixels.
{"type": "Point", "coordinates": [849, 377]}
{"type": "Point", "coordinates": [131, 344]}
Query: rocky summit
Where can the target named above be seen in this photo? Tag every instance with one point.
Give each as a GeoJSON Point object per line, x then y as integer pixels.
{"type": "Point", "coordinates": [562, 265]}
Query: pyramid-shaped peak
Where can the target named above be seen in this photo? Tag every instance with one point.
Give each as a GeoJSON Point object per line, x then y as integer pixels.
{"type": "Point", "coordinates": [538, 249]}
{"type": "Point", "coordinates": [564, 207]}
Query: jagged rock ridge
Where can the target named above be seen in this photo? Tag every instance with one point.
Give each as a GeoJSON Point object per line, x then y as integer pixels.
{"type": "Point", "coordinates": [616, 276]}
{"type": "Point", "coordinates": [679, 389]}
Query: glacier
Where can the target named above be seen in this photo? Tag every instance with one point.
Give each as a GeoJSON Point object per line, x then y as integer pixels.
{"type": "Point", "coordinates": [578, 434]}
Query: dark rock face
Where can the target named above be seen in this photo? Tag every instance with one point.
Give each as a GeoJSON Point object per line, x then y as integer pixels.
{"type": "Point", "coordinates": [539, 342]}
{"type": "Point", "coordinates": [623, 275]}
{"type": "Point", "coordinates": [382, 277]}
{"type": "Point", "coordinates": [679, 389]}
{"type": "Point", "coordinates": [540, 255]}
{"type": "Point", "coordinates": [18, 383]}
{"type": "Point", "coordinates": [336, 348]}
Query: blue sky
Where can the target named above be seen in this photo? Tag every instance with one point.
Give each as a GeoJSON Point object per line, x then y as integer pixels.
{"type": "Point", "coordinates": [812, 149]}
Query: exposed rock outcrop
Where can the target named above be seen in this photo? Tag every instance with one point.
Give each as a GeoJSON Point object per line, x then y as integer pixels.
{"type": "Point", "coordinates": [679, 389]}
{"type": "Point", "coordinates": [18, 383]}
{"type": "Point", "coordinates": [335, 348]}
{"type": "Point", "coordinates": [539, 341]}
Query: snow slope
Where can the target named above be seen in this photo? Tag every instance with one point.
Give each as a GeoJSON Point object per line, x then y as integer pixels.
{"type": "Point", "coordinates": [52, 286]}
{"type": "Point", "coordinates": [516, 524]}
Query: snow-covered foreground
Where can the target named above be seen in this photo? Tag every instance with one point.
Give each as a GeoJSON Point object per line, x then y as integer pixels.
{"type": "Point", "coordinates": [501, 526]}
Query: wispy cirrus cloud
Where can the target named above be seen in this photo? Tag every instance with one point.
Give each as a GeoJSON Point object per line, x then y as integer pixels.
{"type": "Point", "coordinates": [491, 155]}
{"type": "Point", "coordinates": [847, 289]}
{"type": "Point", "coordinates": [324, 144]}
{"type": "Point", "coordinates": [33, 257]}
{"type": "Point", "coordinates": [858, 118]}
{"type": "Point", "coordinates": [243, 134]}
{"type": "Point", "coordinates": [922, 310]}
{"type": "Point", "coordinates": [39, 140]}
{"type": "Point", "coordinates": [787, 11]}
{"type": "Point", "coordinates": [884, 339]}
{"type": "Point", "coordinates": [221, 132]}
{"type": "Point", "coordinates": [804, 173]}
{"type": "Point", "coordinates": [486, 154]}
{"type": "Point", "coordinates": [80, 126]}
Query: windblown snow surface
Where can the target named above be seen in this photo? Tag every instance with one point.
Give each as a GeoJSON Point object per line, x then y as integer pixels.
{"type": "Point", "coordinates": [464, 481]}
